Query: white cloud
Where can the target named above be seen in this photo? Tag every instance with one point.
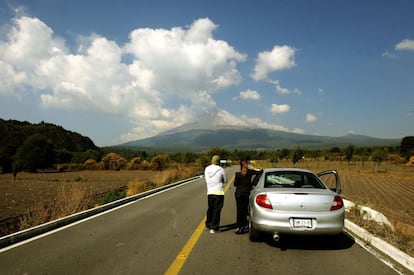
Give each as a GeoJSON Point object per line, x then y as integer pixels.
{"type": "Point", "coordinates": [259, 123]}
{"type": "Point", "coordinates": [311, 118]}
{"type": "Point", "coordinates": [189, 64]}
{"type": "Point", "coordinates": [249, 95]}
{"type": "Point", "coordinates": [277, 109]}
{"type": "Point", "coordinates": [185, 61]}
{"type": "Point", "coordinates": [283, 90]}
{"type": "Point", "coordinates": [29, 40]}
{"type": "Point", "coordinates": [298, 131]}
{"type": "Point", "coordinates": [390, 55]}
{"type": "Point", "coordinates": [405, 45]}
{"type": "Point", "coordinates": [280, 58]}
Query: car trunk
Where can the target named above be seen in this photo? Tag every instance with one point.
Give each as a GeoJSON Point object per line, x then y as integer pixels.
{"type": "Point", "coordinates": [301, 200]}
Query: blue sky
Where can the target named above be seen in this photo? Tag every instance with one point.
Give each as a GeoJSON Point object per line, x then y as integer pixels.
{"type": "Point", "coordinates": [117, 71]}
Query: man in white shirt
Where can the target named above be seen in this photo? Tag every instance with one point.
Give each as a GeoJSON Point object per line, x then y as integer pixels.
{"type": "Point", "coordinates": [216, 179]}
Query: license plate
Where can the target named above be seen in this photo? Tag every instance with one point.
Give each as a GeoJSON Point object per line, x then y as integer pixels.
{"type": "Point", "coordinates": [302, 223]}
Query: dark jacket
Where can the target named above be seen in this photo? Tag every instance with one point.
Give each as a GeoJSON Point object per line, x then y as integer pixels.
{"type": "Point", "coordinates": [244, 183]}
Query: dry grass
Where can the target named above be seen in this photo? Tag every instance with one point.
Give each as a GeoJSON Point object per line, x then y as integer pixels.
{"type": "Point", "coordinates": [164, 177]}
{"type": "Point", "coordinates": [70, 198]}
{"type": "Point", "coordinates": [35, 198]}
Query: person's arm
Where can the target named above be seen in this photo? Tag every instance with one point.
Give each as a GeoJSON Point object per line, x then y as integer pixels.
{"type": "Point", "coordinates": [237, 179]}
{"type": "Point", "coordinates": [224, 176]}
{"type": "Point", "coordinates": [256, 177]}
{"type": "Point", "coordinates": [255, 171]}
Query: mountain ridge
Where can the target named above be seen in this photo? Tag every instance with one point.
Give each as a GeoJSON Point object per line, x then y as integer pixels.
{"type": "Point", "coordinates": [219, 128]}
{"type": "Point", "coordinates": [246, 138]}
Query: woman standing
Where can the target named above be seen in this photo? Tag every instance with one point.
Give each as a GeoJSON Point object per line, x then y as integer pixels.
{"type": "Point", "coordinates": [243, 183]}
{"type": "Point", "coordinates": [216, 179]}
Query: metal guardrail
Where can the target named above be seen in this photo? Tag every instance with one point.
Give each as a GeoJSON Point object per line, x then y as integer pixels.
{"type": "Point", "coordinates": [52, 225]}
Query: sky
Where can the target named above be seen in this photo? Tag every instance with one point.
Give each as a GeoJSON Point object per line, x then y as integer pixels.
{"type": "Point", "coordinates": [117, 71]}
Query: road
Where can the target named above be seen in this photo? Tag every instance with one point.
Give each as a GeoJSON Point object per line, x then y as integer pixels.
{"type": "Point", "coordinates": [148, 236]}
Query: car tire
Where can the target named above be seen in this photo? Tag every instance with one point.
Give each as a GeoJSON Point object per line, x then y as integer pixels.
{"type": "Point", "coordinates": [254, 235]}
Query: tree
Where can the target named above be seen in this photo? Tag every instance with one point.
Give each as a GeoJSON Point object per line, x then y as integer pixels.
{"type": "Point", "coordinates": [284, 153]}
{"type": "Point", "coordinates": [189, 157]}
{"type": "Point", "coordinates": [297, 155]}
{"type": "Point", "coordinates": [335, 150]}
{"type": "Point", "coordinates": [160, 162]}
{"type": "Point", "coordinates": [35, 153]}
{"type": "Point", "coordinates": [349, 152]}
{"type": "Point", "coordinates": [363, 153]}
{"type": "Point", "coordinates": [63, 156]}
{"type": "Point", "coordinates": [113, 161]}
{"type": "Point", "coordinates": [274, 156]}
{"type": "Point", "coordinates": [5, 161]}
{"type": "Point", "coordinates": [407, 147]}
{"type": "Point", "coordinates": [379, 155]}
{"type": "Point", "coordinates": [223, 153]}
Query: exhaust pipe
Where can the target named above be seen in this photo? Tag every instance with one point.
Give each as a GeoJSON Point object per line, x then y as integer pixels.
{"type": "Point", "coordinates": [276, 237]}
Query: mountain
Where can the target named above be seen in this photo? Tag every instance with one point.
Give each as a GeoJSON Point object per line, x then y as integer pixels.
{"type": "Point", "coordinates": [224, 130]}
{"type": "Point", "coordinates": [214, 120]}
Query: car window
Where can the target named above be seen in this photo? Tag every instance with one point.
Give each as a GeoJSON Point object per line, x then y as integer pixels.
{"type": "Point", "coordinates": [292, 179]}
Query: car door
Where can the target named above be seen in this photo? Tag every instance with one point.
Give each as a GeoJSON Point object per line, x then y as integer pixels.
{"type": "Point", "coordinates": [331, 179]}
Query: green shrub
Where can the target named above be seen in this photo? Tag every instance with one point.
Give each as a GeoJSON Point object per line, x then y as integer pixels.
{"type": "Point", "coordinates": [113, 196]}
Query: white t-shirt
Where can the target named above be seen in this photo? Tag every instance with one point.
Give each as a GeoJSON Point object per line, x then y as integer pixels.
{"type": "Point", "coordinates": [216, 179]}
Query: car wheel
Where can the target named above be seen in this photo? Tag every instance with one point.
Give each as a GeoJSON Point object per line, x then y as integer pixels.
{"type": "Point", "coordinates": [254, 235]}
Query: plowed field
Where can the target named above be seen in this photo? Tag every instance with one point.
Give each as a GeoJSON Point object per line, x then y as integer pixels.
{"type": "Point", "coordinates": [389, 193]}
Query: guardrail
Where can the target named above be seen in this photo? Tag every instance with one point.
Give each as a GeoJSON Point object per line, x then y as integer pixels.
{"type": "Point", "coordinates": [49, 226]}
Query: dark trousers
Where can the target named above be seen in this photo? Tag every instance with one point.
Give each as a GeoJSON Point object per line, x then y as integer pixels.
{"type": "Point", "coordinates": [215, 204]}
{"type": "Point", "coordinates": [242, 204]}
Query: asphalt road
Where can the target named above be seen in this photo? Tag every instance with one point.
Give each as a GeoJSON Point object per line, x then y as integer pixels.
{"type": "Point", "coordinates": [148, 237]}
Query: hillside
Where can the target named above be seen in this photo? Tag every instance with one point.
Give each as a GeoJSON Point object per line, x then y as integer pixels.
{"type": "Point", "coordinates": [14, 134]}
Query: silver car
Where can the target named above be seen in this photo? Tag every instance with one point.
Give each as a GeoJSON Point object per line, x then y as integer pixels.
{"type": "Point", "coordinates": [295, 201]}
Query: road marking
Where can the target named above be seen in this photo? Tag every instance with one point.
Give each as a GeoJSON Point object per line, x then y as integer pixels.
{"type": "Point", "coordinates": [182, 256]}
{"type": "Point", "coordinates": [178, 263]}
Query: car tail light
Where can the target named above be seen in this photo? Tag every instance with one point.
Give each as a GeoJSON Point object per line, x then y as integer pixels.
{"type": "Point", "coordinates": [337, 203]}
{"type": "Point", "coordinates": [263, 201]}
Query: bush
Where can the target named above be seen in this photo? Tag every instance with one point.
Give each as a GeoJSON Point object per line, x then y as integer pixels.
{"type": "Point", "coordinates": [113, 196]}
{"type": "Point", "coordinates": [160, 162]}
{"type": "Point", "coordinates": [113, 161]}
{"type": "Point", "coordinates": [90, 164]}
{"type": "Point", "coordinates": [134, 163]}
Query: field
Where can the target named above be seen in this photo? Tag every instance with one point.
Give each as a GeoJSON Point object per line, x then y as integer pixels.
{"type": "Point", "coordinates": [34, 198]}
{"type": "Point", "coordinates": [390, 192]}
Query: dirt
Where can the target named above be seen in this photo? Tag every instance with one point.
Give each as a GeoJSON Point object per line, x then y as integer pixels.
{"type": "Point", "coordinates": [31, 190]}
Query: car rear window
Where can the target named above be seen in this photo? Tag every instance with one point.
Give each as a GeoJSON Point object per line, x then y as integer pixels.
{"type": "Point", "coordinates": [292, 179]}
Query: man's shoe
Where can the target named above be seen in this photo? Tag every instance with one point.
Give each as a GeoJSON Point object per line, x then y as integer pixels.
{"type": "Point", "coordinates": [212, 231]}
{"type": "Point", "coordinates": [239, 231]}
